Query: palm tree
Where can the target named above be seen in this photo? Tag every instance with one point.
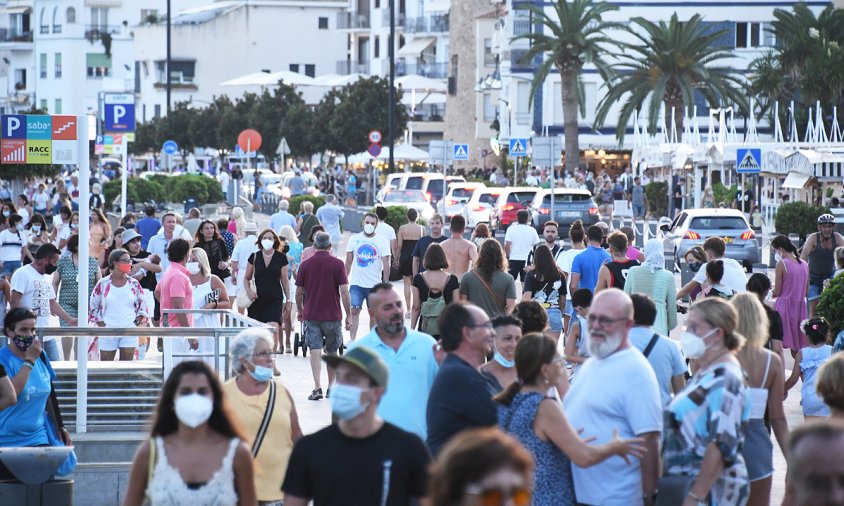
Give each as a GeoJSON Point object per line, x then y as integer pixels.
{"type": "Point", "coordinates": [671, 61]}
{"type": "Point", "coordinates": [575, 35]}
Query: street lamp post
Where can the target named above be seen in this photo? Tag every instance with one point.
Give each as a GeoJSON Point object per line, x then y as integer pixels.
{"type": "Point", "coordinates": [391, 107]}
{"type": "Point", "coordinates": [169, 83]}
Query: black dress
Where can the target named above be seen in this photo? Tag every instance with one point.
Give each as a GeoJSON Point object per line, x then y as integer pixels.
{"type": "Point", "coordinates": [217, 252]}
{"type": "Point", "coordinates": [268, 306]}
{"type": "Point", "coordinates": [406, 255]}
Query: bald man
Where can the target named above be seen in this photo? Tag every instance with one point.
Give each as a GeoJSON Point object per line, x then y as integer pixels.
{"type": "Point", "coordinates": [815, 468]}
{"type": "Point", "coordinates": [616, 389]}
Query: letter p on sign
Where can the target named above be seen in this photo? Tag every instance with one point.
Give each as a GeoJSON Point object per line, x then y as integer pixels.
{"type": "Point", "coordinates": [14, 127]}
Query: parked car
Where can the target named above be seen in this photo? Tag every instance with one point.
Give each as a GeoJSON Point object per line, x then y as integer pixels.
{"type": "Point", "coordinates": [430, 183]}
{"type": "Point", "coordinates": [456, 197]}
{"type": "Point", "coordinates": [479, 206]}
{"type": "Point", "coordinates": [570, 205]}
{"type": "Point", "coordinates": [692, 227]}
{"type": "Point", "coordinates": [513, 200]}
{"type": "Point", "coordinates": [281, 186]}
{"type": "Point", "coordinates": [411, 199]}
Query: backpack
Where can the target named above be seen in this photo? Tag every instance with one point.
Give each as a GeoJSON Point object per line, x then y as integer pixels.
{"type": "Point", "coordinates": [431, 310]}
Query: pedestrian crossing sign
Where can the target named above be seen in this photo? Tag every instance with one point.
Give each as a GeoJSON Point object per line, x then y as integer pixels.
{"type": "Point", "coordinates": [461, 152]}
{"type": "Point", "coordinates": [748, 160]}
{"type": "Point", "coordinates": [518, 147]}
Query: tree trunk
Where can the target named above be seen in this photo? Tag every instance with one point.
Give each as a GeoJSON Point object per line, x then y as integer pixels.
{"type": "Point", "coordinates": [679, 117]}
{"type": "Point", "coordinates": [571, 110]}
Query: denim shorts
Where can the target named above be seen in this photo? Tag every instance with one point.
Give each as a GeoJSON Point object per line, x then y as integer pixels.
{"type": "Point", "coordinates": [569, 309]}
{"type": "Point", "coordinates": [358, 295]}
{"type": "Point", "coordinates": [9, 267]}
{"type": "Point", "coordinates": [638, 211]}
{"type": "Point", "coordinates": [555, 319]}
{"type": "Point", "coordinates": [815, 289]}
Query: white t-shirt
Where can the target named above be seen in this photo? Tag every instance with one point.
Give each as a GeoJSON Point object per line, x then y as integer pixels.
{"type": "Point", "coordinates": [158, 246]}
{"type": "Point", "coordinates": [243, 249]}
{"type": "Point", "coordinates": [40, 200]}
{"type": "Point", "coordinates": [23, 213]}
{"type": "Point", "coordinates": [36, 293]}
{"type": "Point", "coordinates": [119, 307]}
{"type": "Point", "coordinates": [386, 231]}
{"type": "Point", "coordinates": [367, 264]}
{"type": "Point", "coordinates": [617, 392]}
{"type": "Point", "coordinates": [521, 239]}
{"type": "Point", "coordinates": [63, 234]}
{"type": "Point", "coordinates": [734, 275]}
{"type": "Point", "coordinates": [564, 261]}
{"type": "Point", "coordinates": [11, 244]}
{"type": "Point", "coordinates": [224, 181]}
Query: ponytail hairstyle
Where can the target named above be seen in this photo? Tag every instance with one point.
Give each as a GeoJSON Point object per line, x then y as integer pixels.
{"type": "Point", "coordinates": [532, 352]}
{"type": "Point", "coordinates": [816, 329]}
{"type": "Point", "coordinates": [783, 242]}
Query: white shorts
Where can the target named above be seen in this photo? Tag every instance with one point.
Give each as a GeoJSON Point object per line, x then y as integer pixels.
{"type": "Point", "coordinates": [230, 288]}
{"type": "Point", "coordinates": [113, 343]}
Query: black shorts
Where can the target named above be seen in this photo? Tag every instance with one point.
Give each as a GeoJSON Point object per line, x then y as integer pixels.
{"type": "Point", "coordinates": [516, 268]}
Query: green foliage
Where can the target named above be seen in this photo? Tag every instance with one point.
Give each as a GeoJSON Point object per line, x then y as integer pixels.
{"type": "Point", "coordinates": [657, 195]}
{"type": "Point", "coordinates": [830, 191]}
{"type": "Point", "coordinates": [163, 188]}
{"type": "Point", "coordinates": [721, 193]}
{"type": "Point", "coordinates": [296, 203]}
{"type": "Point", "coordinates": [831, 305]}
{"type": "Point", "coordinates": [798, 218]}
{"type": "Point", "coordinates": [137, 189]}
{"type": "Point", "coordinates": [397, 216]}
{"type": "Point", "coordinates": [668, 64]}
{"type": "Point", "coordinates": [204, 189]}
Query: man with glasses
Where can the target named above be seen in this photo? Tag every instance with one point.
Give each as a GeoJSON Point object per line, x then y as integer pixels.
{"type": "Point", "coordinates": [616, 390]}
{"type": "Point", "coordinates": [819, 253]}
{"type": "Point", "coordinates": [461, 398]}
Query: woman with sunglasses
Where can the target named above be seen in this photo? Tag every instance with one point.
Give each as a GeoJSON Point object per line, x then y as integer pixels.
{"type": "Point", "coordinates": [537, 421]}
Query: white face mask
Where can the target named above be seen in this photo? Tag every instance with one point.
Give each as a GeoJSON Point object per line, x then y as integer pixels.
{"type": "Point", "coordinates": [36, 229]}
{"type": "Point", "coordinates": [369, 228]}
{"type": "Point", "coordinates": [693, 345]}
{"type": "Point", "coordinates": [193, 267]}
{"type": "Point", "coordinates": [267, 243]}
{"type": "Point", "coordinates": [193, 410]}
{"type": "Point", "coordinates": [777, 256]}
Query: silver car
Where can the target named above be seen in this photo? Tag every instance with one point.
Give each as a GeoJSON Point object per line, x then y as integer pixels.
{"type": "Point", "coordinates": [692, 227]}
{"type": "Point", "coordinates": [411, 199]}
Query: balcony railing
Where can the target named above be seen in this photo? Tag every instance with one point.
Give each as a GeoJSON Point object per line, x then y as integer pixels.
{"type": "Point", "coordinates": [15, 35]}
{"type": "Point", "coordinates": [352, 21]}
{"type": "Point", "coordinates": [521, 26]}
{"type": "Point", "coordinates": [385, 19]}
{"type": "Point", "coordinates": [436, 70]}
{"type": "Point", "coordinates": [427, 24]}
{"type": "Point", "coordinates": [96, 32]}
{"type": "Point", "coordinates": [346, 67]}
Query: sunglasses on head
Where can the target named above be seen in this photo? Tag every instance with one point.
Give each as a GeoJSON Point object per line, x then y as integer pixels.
{"type": "Point", "coordinates": [520, 496]}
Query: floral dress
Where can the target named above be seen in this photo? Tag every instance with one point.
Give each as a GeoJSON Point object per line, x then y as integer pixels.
{"type": "Point", "coordinates": [69, 291]}
{"type": "Point", "coordinates": [713, 408]}
{"type": "Point", "coordinates": [100, 294]}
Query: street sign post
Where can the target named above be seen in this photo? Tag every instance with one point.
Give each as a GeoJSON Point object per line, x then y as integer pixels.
{"type": "Point", "coordinates": [170, 147]}
{"type": "Point", "coordinates": [748, 160]}
{"type": "Point", "coordinates": [460, 152]}
{"type": "Point", "coordinates": [119, 112]}
{"type": "Point", "coordinates": [375, 137]}
{"type": "Point", "coordinates": [518, 149]}
{"type": "Point", "coordinates": [374, 150]}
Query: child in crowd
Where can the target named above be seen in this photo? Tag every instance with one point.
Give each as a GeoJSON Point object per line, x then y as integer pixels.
{"type": "Point", "coordinates": [806, 365]}
{"type": "Point", "coordinates": [714, 275]}
{"type": "Point", "coordinates": [578, 334]}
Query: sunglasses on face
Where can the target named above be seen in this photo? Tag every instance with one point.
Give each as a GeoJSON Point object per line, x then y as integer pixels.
{"type": "Point", "coordinates": [520, 496]}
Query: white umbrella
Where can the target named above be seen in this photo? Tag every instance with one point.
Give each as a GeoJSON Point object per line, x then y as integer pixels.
{"type": "Point", "coordinates": [270, 79]}
{"type": "Point", "coordinates": [292, 78]}
{"type": "Point", "coordinates": [336, 80]}
{"type": "Point", "coordinates": [422, 99]}
{"type": "Point", "coordinates": [404, 152]}
{"type": "Point", "coordinates": [417, 82]}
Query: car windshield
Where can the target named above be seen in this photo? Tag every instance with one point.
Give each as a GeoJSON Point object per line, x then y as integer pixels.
{"type": "Point", "coordinates": [519, 197]}
{"type": "Point", "coordinates": [718, 223]}
{"type": "Point", "coordinates": [414, 183]}
{"type": "Point", "coordinates": [565, 198]}
{"type": "Point", "coordinates": [435, 187]}
{"type": "Point", "coordinates": [462, 192]}
{"type": "Point", "coordinates": [404, 196]}
{"type": "Point", "coordinates": [489, 198]}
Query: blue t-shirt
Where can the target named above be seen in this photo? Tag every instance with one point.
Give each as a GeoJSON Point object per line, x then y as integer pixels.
{"type": "Point", "coordinates": [587, 264]}
{"type": "Point", "coordinates": [666, 359]}
{"type": "Point", "coordinates": [147, 227]}
{"type": "Point", "coordinates": [22, 424]}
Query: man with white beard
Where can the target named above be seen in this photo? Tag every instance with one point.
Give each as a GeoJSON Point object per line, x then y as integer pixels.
{"type": "Point", "coordinates": [616, 392]}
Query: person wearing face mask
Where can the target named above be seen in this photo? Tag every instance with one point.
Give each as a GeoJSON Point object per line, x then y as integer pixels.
{"type": "Point", "coordinates": [37, 236]}
{"type": "Point", "coordinates": [32, 289]}
{"type": "Point", "coordinates": [209, 292]}
{"type": "Point", "coordinates": [61, 227]}
{"type": "Point", "coordinates": [616, 390]}
{"type": "Point", "coordinates": [367, 264]}
{"type": "Point", "coordinates": [790, 282]}
{"type": "Point", "coordinates": [704, 429]}
{"type": "Point", "coordinates": [118, 301]}
{"type": "Point", "coordinates": [501, 370]}
{"type": "Point", "coordinates": [23, 423]}
{"type": "Point", "coordinates": [66, 285]}
{"type": "Point", "coordinates": [291, 247]}
{"type": "Point", "coordinates": [196, 454]}
{"type": "Point", "coordinates": [253, 394]}
{"type": "Point", "coordinates": [271, 294]}
{"type": "Point", "coordinates": [403, 404]}
{"type": "Point", "coordinates": [12, 241]}
{"type": "Point", "coordinates": [695, 258]}
{"type": "Point", "coordinates": [361, 459]}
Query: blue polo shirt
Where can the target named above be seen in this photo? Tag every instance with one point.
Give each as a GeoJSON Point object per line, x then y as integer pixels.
{"type": "Point", "coordinates": [587, 264]}
{"type": "Point", "coordinates": [412, 371]}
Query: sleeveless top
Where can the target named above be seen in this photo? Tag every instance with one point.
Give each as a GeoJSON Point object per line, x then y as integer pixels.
{"type": "Point", "coordinates": [201, 293]}
{"type": "Point", "coordinates": [821, 260]}
{"type": "Point", "coordinates": [759, 396]}
{"type": "Point", "coordinates": [168, 488]}
{"type": "Point", "coordinates": [552, 481]}
{"type": "Point", "coordinates": [618, 272]}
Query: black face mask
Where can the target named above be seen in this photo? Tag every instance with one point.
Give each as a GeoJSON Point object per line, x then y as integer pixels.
{"type": "Point", "coordinates": [49, 268]}
{"type": "Point", "coordinates": [286, 248]}
{"type": "Point", "coordinates": [694, 266]}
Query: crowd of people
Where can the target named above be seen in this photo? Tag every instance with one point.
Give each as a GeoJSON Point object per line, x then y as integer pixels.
{"type": "Point", "coordinates": [537, 372]}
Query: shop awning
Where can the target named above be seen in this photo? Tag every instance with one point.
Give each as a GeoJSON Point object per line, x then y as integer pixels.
{"type": "Point", "coordinates": [415, 47]}
{"type": "Point", "coordinates": [15, 10]}
{"type": "Point", "coordinates": [796, 180]}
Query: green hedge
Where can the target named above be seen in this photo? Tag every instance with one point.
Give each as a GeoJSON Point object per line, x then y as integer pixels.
{"type": "Point", "coordinates": [657, 195]}
{"type": "Point", "coordinates": [163, 188]}
{"type": "Point", "coordinates": [296, 203]}
{"type": "Point", "coordinates": [397, 216]}
{"type": "Point", "coordinates": [831, 305]}
{"type": "Point", "coordinates": [798, 218]}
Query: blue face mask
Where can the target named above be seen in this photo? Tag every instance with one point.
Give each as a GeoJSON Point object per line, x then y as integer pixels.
{"type": "Point", "coordinates": [507, 364]}
{"type": "Point", "coordinates": [345, 401]}
{"type": "Point", "coordinates": [261, 374]}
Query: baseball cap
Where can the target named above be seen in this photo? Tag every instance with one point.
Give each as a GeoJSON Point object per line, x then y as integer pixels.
{"type": "Point", "coordinates": [129, 235]}
{"type": "Point", "coordinates": [251, 226]}
{"type": "Point", "coordinates": [366, 360]}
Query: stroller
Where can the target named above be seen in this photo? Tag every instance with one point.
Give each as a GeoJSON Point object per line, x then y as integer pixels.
{"type": "Point", "coordinates": [300, 342]}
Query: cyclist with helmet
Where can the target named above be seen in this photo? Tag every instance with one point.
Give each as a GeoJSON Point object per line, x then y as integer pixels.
{"type": "Point", "coordinates": [819, 253]}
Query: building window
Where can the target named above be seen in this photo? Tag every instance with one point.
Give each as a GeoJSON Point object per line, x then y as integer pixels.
{"type": "Point", "coordinates": [45, 25]}
{"type": "Point", "coordinates": [157, 111]}
{"type": "Point", "coordinates": [489, 58]}
{"type": "Point", "coordinates": [181, 71]}
{"type": "Point", "coordinates": [322, 23]}
{"type": "Point", "coordinates": [58, 65]}
{"type": "Point", "coordinates": [20, 79]}
{"type": "Point", "coordinates": [294, 67]}
{"type": "Point", "coordinates": [377, 4]}
{"type": "Point", "coordinates": [310, 70]}
{"type": "Point", "coordinates": [57, 22]}
{"type": "Point", "coordinates": [71, 15]}
{"type": "Point", "coordinates": [489, 108]}
{"type": "Point", "coordinates": [749, 35]}
{"type": "Point", "coordinates": [58, 107]}
{"type": "Point", "coordinates": [377, 47]}
{"type": "Point", "coordinates": [98, 65]}
{"type": "Point", "coordinates": [99, 18]}
{"type": "Point", "coordinates": [44, 105]}
{"type": "Point", "coordinates": [42, 67]}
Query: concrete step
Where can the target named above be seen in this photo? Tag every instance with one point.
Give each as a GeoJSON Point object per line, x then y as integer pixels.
{"type": "Point", "coordinates": [108, 448]}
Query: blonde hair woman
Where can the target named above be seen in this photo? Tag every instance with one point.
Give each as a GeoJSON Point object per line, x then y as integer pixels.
{"type": "Point", "coordinates": [209, 292]}
{"type": "Point", "coordinates": [237, 225]}
{"type": "Point", "coordinates": [765, 379]}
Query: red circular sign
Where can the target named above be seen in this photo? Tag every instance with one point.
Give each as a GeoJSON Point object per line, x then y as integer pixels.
{"type": "Point", "coordinates": [375, 137]}
{"type": "Point", "coordinates": [249, 140]}
{"type": "Point", "coordinates": [374, 150]}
